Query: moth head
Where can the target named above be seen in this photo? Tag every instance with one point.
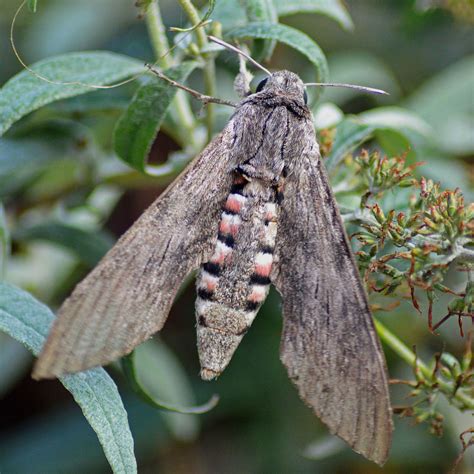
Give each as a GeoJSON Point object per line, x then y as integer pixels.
{"type": "Point", "coordinates": [284, 83]}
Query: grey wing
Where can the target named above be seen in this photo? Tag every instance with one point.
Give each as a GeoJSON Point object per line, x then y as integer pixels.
{"type": "Point", "coordinates": [127, 297]}
{"type": "Point", "coordinates": [329, 345]}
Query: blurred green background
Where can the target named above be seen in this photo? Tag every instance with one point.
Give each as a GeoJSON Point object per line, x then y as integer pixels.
{"type": "Point", "coordinates": [420, 51]}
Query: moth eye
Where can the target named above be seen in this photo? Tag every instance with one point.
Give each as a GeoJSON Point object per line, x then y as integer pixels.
{"type": "Point", "coordinates": [305, 98]}
{"type": "Point", "coordinates": [261, 85]}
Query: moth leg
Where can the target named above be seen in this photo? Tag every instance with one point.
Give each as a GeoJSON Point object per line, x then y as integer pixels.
{"type": "Point", "coordinates": [279, 191]}
{"type": "Point", "coordinates": [243, 79]}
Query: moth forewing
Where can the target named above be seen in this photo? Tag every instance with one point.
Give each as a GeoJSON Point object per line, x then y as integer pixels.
{"type": "Point", "coordinates": [127, 297]}
{"type": "Point", "coordinates": [329, 344]}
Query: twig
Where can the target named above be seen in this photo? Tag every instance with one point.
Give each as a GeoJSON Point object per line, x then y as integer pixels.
{"type": "Point", "coordinates": [162, 51]}
{"type": "Point", "coordinates": [410, 358]}
{"type": "Point", "coordinates": [209, 67]}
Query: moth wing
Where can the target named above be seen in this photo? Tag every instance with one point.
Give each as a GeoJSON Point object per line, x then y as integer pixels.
{"type": "Point", "coordinates": [329, 345]}
{"type": "Point", "coordinates": [127, 297]}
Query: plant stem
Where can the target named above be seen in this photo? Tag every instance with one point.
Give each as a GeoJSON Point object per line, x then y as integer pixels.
{"type": "Point", "coordinates": [400, 348]}
{"type": "Point", "coordinates": [156, 30]}
{"type": "Point", "coordinates": [159, 42]}
{"type": "Point", "coordinates": [410, 358]}
{"type": "Point", "coordinates": [209, 67]}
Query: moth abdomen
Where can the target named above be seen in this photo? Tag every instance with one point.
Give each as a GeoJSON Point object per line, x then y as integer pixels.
{"type": "Point", "coordinates": [279, 197]}
{"type": "Point", "coordinates": [227, 239]}
{"type": "Point", "coordinates": [234, 283]}
{"type": "Point", "coordinates": [212, 268]}
{"type": "Point", "coordinates": [267, 249]}
{"type": "Point", "coordinates": [205, 293]}
{"type": "Point", "coordinates": [257, 279]}
{"type": "Point", "coordinates": [252, 306]}
{"type": "Point", "coordinates": [238, 185]}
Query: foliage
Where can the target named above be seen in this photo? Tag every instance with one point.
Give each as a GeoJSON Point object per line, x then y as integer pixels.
{"type": "Point", "coordinates": [448, 377]}
{"type": "Point", "coordinates": [407, 249]}
{"type": "Point", "coordinates": [29, 321]}
{"type": "Point", "coordinates": [69, 152]}
{"type": "Point", "coordinates": [414, 247]}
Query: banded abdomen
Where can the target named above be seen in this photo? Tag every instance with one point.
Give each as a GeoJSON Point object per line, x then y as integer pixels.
{"type": "Point", "coordinates": [234, 283]}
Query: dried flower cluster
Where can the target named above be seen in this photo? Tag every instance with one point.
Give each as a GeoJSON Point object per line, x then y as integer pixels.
{"type": "Point", "coordinates": [407, 252]}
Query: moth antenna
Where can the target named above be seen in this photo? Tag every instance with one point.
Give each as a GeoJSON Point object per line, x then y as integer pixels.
{"type": "Point", "coordinates": [369, 90]}
{"type": "Point", "coordinates": [239, 51]}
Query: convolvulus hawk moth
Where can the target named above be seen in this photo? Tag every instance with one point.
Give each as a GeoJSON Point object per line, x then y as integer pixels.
{"type": "Point", "coordinates": [254, 208]}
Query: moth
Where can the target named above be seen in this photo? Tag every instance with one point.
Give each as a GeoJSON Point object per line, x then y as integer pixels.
{"type": "Point", "coordinates": [255, 208]}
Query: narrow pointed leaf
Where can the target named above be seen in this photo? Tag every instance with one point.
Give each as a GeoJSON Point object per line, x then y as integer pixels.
{"type": "Point", "coordinates": [25, 92]}
{"type": "Point", "coordinates": [129, 369]}
{"type": "Point", "coordinates": [138, 126]}
{"type": "Point", "coordinates": [23, 158]}
{"type": "Point", "coordinates": [445, 101]}
{"type": "Point", "coordinates": [257, 11]}
{"type": "Point", "coordinates": [89, 246]}
{"type": "Point", "coordinates": [333, 9]}
{"type": "Point", "coordinates": [350, 133]}
{"type": "Point", "coordinates": [28, 321]}
{"type": "Point", "coordinates": [289, 36]}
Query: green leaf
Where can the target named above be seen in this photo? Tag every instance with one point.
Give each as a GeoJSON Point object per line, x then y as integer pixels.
{"type": "Point", "coordinates": [15, 363]}
{"type": "Point", "coordinates": [290, 36]}
{"type": "Point", "coordinates": [130, 370]}
{"type": "Point", "coordinates": [261, 11]}
{"type": "Point", "coordinates": [445, 102]}
{"type": "Point", "coordinates": [205, 17]}
{"type": "Point", "coordinates": [360, 67]}
{"type": "Point", "coordinates": [28, 321]}
{"type": "Point", "coordinates": [4, 241]}
{"type": "Point", "coordinates": [396, 118]}
{"type": "Point", "coordinates": [110, 100]}
{"type": "Point", "coordinates": [160, 371]}
{"type": "Point", "coordinates": [350, 133]}
{"type": "Point", "coordinates": [395, 143]}
{"type": "Point", "coordinates": [333, 9]}
{"type": "Point", "coordinates": [138, 126]}
{"type": "Point", "coordinates": [399, 130]}
{"type": "Point", "coordinates": [143, 4]}
{"type": "Point", "coordinates": [229, 13]}
{"type": "Point", "coordinates": [90, 247]}
{"type": "Point", "coordinates": [32, 4]}
{"type": "Point", "coordinates": [25, 92]}
{"type": "Point", "coordinates": [22, 159]}
{"type": "Point", "coordinates": [60, 441]}
{"type": "Point", "coordinates": [327, 115]}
